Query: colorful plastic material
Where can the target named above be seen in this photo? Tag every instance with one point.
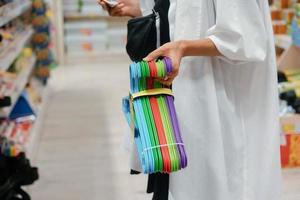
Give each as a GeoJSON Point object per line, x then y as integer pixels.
{"type": "Point", "coordinates": [151, 112]}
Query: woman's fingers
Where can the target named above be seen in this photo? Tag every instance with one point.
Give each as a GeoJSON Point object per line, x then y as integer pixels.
{"type": "Point", "coordinates": [130, 8]}
{"type": "Point", "coordinates": [117, 10]}
{"type": "Point", "coordinates": [172, 51]}
{"type": "Point", "coordinates": [154, 55]}
{"type": "Point", "coordinates": [103, 5]}
{"type": "Point", "coordinates": [165, 82]}
{"type": "Point", "coordinates": [119, 6]}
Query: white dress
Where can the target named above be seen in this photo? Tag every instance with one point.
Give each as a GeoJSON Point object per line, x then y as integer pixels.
{"type": "Point", "coordinates": [227, 105]}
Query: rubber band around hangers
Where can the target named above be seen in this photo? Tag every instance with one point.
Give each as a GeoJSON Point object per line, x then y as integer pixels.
{"type": "Point", "coordinates": [162, 145]}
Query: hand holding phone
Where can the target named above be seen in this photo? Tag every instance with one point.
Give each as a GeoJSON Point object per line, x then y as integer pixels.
{"type": "Point", "coordinates": [107, 4]}
{"type": "Point", "coordinates": [121, 8]}
{"type": "Point", "coordinates": [111, 3]}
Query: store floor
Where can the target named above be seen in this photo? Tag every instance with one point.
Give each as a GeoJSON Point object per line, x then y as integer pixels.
{"type": "Point", "coordinates": [80, 154]}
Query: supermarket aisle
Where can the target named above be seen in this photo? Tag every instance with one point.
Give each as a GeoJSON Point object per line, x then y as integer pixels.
{"type": "Point", "coordinates": [80, 156]}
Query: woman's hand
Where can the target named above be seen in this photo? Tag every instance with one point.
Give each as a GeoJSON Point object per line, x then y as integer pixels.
{"type": "Point", "coordinates": [176, 50]}
{"type": "Point", "coordinates": [173, 50]}
{"type": "Point", "coordinates": [124, 8]}
{"type": "Point", "coordinates": [103, 5]}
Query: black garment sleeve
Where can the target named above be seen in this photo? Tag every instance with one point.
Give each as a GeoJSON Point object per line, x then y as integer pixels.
{"type": "Point", "coordinates": [158, 184]}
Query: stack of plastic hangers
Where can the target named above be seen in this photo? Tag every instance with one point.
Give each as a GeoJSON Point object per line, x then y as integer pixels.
{"type": "Point", "coordinates": [150, 111]}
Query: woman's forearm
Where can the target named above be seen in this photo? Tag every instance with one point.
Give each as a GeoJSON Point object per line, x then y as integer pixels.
{"type": "Point", "coordinates": [202, 47]}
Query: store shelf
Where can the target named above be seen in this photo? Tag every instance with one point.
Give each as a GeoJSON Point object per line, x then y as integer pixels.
{"type": "Point", "coordinates": [32, 142]}
{"type": "Point", "coordinates": [81, 56]}
{"type": "Point", "coordinates": [77, 16]}
{"type": "Point", "coordinates": [19, 86]}
{"type": "Point", "coordinates": [283, 41]}
{"type": "Point", "coordinates": [13, 10]}
{"type": "Point", "coordinates": [11, 53]}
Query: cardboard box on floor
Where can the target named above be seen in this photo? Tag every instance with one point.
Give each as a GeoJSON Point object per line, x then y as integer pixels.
{"type": "Point", "coordinates": [290, 59]}
{"type": "Point", "coordinates": [290, 124]}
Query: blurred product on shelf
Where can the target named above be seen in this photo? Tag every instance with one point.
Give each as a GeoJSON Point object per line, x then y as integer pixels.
{"type": "Point", "coordinates": [21, 95]}
{"type": "Point", "coordinates": [41, 39]}
{"type": "Point", "coordinates": [285, 15]}
{"type": "Point", "coordinates": [24, 42]}
{"type": "Point", "coordinates": [5, 102]}
{"type": "Point", "coordinates": [282, 14]}
{"type": "Point", "coordinates": [289, 88]}
{"type": "Point", "coordinates": [289, 94]}
{"type": "Point", "coordinates": [14, 80]}
{"type": "Point", "coordinates": [7, 84]}
{"type": "Point", "coordinates": [14, 135]}
{"type": "Point", "coordinates": [38, 8]}
{"type": "Point", "coordinates": [22, 62]}
{"type": "Point", "coordinates": [13, 9]}
{"type": "Point", "coordinates": [80, 5]}
{"type": "Point", "coordinates": [41, 24]}
{"type": "Point", "coordinates": [295, 26]}
{"type": "Point", "coordinates": [290, 144]}
{"type": "Point", "coordinates": [24, 101]}
{"type": "Point", "coordinates": [15, 35]}
{"type": "Point", "coordinates": [280, 27]}
{"type": "Point", "coordinates": [42, 71]}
